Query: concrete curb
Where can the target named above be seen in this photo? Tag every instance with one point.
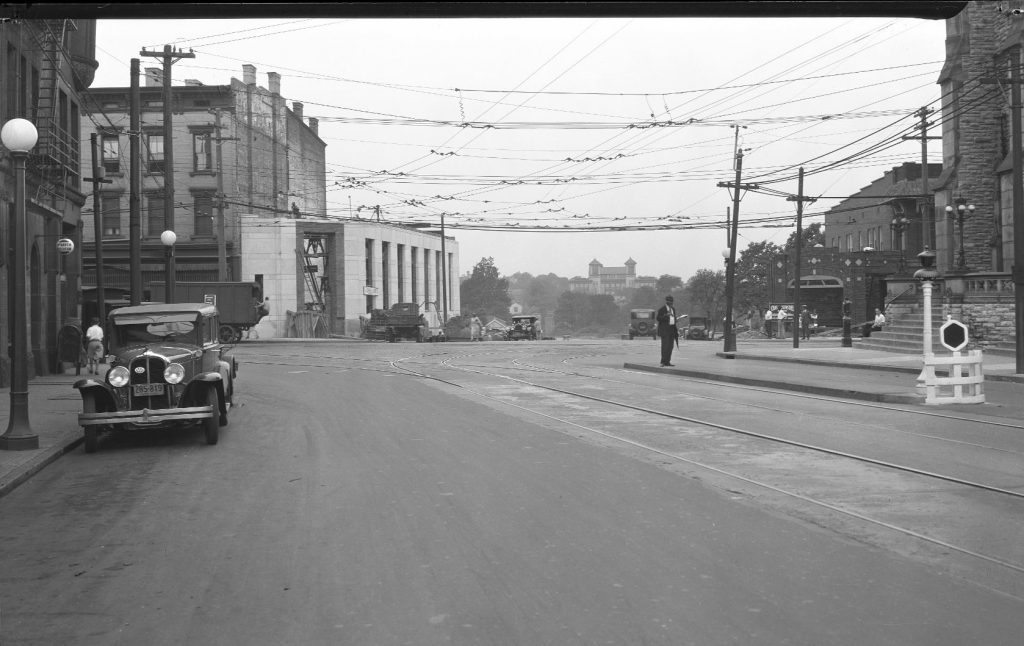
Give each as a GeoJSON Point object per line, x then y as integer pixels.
{"type": "Point", "coordinates": [887, 398]}
{"type": "Point", "coordinates": [68, 442]}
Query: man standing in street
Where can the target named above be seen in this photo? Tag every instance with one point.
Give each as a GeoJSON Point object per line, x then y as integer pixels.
{"type": "Point", "coordinates": [667, 330]}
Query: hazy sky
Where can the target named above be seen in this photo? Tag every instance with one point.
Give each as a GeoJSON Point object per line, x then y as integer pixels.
{"type": "Point", "coordinates": [571, 125]}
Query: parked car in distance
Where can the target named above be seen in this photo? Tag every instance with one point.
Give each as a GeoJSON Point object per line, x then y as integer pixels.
{"type": "Point", "coordinates": [642, 322]}
{"type": "Point", "coordinates": [696, 328]}
{"type": "Point", "coordinates": [524, 326]}
{"type": "Point", "coordinates": [167, 368]}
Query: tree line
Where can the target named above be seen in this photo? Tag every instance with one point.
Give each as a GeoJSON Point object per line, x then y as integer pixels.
{"type": "Point", "coordinates": [488, 294]}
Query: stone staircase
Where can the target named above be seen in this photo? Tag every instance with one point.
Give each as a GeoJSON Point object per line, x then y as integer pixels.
{"type": "Point", "coordinates": [904, 332]}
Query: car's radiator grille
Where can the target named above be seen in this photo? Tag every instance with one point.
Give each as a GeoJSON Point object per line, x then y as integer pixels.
{"type": "Point", "coordinates": [147, 373]}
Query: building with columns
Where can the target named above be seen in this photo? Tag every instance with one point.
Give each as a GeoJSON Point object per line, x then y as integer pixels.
{"type": "Point", "coordinates": [341, 269]}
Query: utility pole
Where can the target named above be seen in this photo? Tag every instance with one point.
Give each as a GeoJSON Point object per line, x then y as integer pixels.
{"type": "Point", "coordinates": [169, 57]}
{"type": "Point", "coordinates": [135, 188]}
{"type": "Point", "coordinates": [730, 270]}
{"type": "Point", "coordinates": [799, 199]}
{"type": "Point", "coordinates": [927, 225]}
{"type": "Point", "coordinates": [97, 179]}
{"type": "Point", "coordinates": [222, 244]}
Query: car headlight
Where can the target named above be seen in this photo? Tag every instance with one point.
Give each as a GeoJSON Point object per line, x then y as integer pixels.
{"type": "Point", "coordinates": [118, 377]}
{"type": "Point", "coordinates": [174, 373]}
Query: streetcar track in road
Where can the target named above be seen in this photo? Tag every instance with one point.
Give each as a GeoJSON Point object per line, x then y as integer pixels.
{"type": "Point", "coordinates": [995, 560]}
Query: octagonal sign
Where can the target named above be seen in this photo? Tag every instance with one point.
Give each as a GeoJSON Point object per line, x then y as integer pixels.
{"type": "Point", "coordinates": [953, 335]}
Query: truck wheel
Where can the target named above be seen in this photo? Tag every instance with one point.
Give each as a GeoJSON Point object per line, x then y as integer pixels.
{"type": "Point", "coordinates": [212, 426]}
{"type": "Point", "coordinates": [226, 334]}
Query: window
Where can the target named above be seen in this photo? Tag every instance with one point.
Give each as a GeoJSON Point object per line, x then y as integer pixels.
{"type": "Point", "coordinates": [202, 203]}
{"type": "Point", "coordinates": [385, 271]}
{"type": "Point", "coordinates": [154, 214]}
{"type": "Point", "coordinates": [110, 206]}
{"type": "Point", "coordinates": [415, 267]}
{"type": "Point", "coordinates": [202, 155]}
{"type": "Point", "coordinates": [401, 273]}
{"type": "Point", "coordinates": [111, 147]}
{"type": "Point", "coordinates": [155, 153]}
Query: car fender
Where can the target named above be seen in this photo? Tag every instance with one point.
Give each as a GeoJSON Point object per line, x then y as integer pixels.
{"type": "Point", "coordinates": [195, 391]}
{"type": "Point", "coordinates": [105, 399]}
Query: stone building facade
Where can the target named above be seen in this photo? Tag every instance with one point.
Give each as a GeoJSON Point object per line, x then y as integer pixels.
{"type": "Point", "coordinates": [45, 65]}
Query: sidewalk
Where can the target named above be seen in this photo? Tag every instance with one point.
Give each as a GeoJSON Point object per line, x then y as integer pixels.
{"type": "Point", "coordinates": [53, 405]}
{"type": "Point", "coordinates": [822, 366]}
{"type": "Point", "coordinates": [819, 366]}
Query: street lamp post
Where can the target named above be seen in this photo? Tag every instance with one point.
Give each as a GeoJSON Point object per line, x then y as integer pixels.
{"type": "Point", "coordinates": [168, 238]}
{"type": "Point", "coordinates": [927, 275]}
{"type": "Point", "coordinates": [19, 136]}
{"type": "Point", "coordinates": [730, 278]}
{"type": "Point", "coordinates": [898, 225]}
{"type": "Point", "coordinates": [962, 212]}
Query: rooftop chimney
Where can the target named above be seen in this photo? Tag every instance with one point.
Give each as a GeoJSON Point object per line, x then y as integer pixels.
{"type": "Point", "coordinates": [249, 74]}
{"type": "Point", "coordinates": [297, 109]}
{"type": "Point", "coordinates": [274, 82]}
{"type": "Point", "coordinates": [154, 77]}
{"type": "Point", "coordinates": [314, 125]}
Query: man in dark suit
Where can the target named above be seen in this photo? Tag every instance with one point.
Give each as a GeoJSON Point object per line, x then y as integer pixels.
{"type": "Point", "coordinates": [667, 330]}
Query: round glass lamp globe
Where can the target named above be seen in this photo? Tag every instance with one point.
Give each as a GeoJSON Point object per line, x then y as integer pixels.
{"type": "Point", "coordinates": [168, 238]}
{"type": "Point", "coordinates": [19, 135]}
{"type": "Point", "coordinates": [726, 252]}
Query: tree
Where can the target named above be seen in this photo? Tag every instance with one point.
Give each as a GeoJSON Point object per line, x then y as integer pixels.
{"type": "Point", "coordinates": [587, 313]}
{"type": "Point", "coordinates": [645, 298]}
{"type": "Point", "coordinates": [810, 235]}
{"type": "Point", "coordinates": [752, 266]}
{"type": "Point", "coordinates": [667, 284]}
{"type": "Point", "coordinates": [540, 294]}
{"type": "Point", "coordinates": [485, 291]}
{"type": "Point", "coordinates": [707, 290]}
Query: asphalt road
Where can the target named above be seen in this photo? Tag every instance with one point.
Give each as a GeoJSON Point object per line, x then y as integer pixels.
{"type": "Point", "coordinates": [350, 504]}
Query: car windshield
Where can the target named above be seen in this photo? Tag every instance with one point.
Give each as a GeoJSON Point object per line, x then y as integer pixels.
{"type": "Point", "coordinates": [643, 315]}
{"type": "Point", "coordinates": [153, 330]}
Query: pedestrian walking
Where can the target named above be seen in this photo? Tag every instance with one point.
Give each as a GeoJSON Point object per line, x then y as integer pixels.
{"type": "Point", "coordinates": [667, 330]}
{"type": "Point", "coordinates": [94, 346]}
{"type": "Point", "coordinates": [475, 329]}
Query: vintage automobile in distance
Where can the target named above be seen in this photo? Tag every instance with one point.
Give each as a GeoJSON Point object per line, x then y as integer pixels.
{"type": "Point", "coordinates": [167, 367]}
{"type": "Point", "coordinates": [642, 322]}
{"type": "Point", "coordinates": [525, 327]}
{"type": "Point", "coordinates": [696, 328]}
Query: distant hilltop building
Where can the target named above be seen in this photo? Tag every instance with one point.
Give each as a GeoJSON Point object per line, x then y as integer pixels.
{"type": "Point", "coordinates": [611, 280]}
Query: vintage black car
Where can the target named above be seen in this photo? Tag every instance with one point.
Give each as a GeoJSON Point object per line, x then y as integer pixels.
{"type": "Point", "coordinates": [642, 322]}
{"type": "Point", "coordinates": [524, 326]}
{"type": "Point", "coordinates": [167, 368]}
{"type": "Point", "coordinates": [697, 328]}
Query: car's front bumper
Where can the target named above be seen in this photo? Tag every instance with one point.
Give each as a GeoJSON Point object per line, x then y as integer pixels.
{"type": "Point", "coordinates": [146, 416]}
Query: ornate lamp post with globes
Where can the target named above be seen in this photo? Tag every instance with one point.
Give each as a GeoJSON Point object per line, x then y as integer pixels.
{"type": "Point", "coordinates": [898, 225]}
{"type": "Point", "coordinates": [962, 212]}
{"type": "Point", "coordinates": [19, 136]}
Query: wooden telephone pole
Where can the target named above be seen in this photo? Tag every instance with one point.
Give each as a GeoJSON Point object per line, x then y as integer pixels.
{"type": "Point", "coordinates": [730, 273]}
{"type": "Point", "coordinates": [926, 210]}
{"type": "Point", "coordinates": [169, 57]}
{"type": "Point", "coordinates": [799, 199]}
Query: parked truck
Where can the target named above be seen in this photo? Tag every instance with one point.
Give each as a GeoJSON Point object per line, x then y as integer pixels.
{"type": "Point", "coordinates": [405, 321]}
{"type": "Point", "coordinates": [237, 303]}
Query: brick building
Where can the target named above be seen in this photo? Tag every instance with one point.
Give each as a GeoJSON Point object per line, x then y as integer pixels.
{"type": "Point", "coordinates": [45, 65]}
{"type": "Point", "coordinates": [237, 150]}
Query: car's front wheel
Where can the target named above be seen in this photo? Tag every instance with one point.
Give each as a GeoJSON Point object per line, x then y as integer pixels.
{"type": "Point", "coordinates": [212, 427]}
{"type": "Point", "coordinates": [92, 440]}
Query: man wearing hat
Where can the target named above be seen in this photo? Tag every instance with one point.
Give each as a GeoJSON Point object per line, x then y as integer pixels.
{"type": "Point", "coordinates": [667, 330]}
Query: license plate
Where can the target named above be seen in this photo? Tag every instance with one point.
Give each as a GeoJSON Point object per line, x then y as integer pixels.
{"type": "Point", "coordinates": [148, 390]}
